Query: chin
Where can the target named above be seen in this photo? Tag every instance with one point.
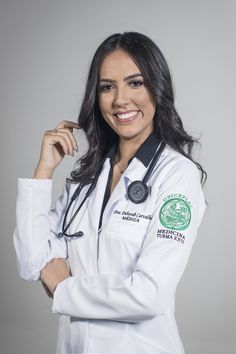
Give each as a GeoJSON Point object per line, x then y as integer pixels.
{"type": "Point", "coordinates": [130, 135]}
{"type": "Point", "coordinates": [141, 134]}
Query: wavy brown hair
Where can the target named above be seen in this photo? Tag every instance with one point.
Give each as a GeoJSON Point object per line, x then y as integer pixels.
{"type": "Point", "coordinates": [168, 125]}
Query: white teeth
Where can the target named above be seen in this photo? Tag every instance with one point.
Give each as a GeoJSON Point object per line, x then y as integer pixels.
{"type": "Point", "coordinates": [126, 115]}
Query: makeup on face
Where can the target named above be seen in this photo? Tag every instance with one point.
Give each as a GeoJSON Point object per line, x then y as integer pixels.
{"type": "Point", "coordinates": [124, 100]}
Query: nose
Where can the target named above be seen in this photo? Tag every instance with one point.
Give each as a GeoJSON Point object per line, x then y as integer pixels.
{"type": "Point", "coordinates": [121, 97]}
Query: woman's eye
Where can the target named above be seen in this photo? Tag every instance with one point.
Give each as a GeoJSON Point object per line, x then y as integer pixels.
{"type": "Point", "coordinates": [136, 83]}
{"type": "Point", "coordinates": [106, 87]}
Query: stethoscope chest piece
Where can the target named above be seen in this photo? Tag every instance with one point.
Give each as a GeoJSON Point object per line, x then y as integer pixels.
{"type": "Point", "coordinates": [138, 192]}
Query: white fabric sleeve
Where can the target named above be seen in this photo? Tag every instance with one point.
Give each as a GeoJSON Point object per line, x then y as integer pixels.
{"type": "Point", "coordinates": [35, 236]}
{"type": "Point", "coordinates": [150, 290]}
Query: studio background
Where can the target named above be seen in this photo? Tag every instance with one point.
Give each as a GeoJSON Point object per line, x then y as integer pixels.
{"type": "Point", "coordinates": [46, 47]}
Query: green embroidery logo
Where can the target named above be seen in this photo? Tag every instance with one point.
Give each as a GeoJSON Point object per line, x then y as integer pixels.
{"type": "Point", "coordinates": [175, 214]}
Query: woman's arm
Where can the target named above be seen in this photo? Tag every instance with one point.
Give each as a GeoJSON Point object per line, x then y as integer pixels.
{"type": "Point", "coordinates": [35, 237]}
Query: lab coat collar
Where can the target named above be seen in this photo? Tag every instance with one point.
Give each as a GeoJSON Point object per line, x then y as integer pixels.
{"type": "Point", "coordinates": [145, 152]}
{"type": "Point", "coordinates": [135, 170]}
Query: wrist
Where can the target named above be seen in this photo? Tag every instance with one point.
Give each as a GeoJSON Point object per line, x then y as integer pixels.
{"type": "Point", "coordinates": [42, 173]}
{"type": "Point", "coordinates": [58, 282]}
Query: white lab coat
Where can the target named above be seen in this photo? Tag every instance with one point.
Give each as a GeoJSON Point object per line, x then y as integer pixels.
{"type": "Point", "coordinates": [121, 295]}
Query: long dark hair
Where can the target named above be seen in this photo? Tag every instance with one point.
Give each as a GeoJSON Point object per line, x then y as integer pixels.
{"type": "Point", "coordinates": [167, 123]}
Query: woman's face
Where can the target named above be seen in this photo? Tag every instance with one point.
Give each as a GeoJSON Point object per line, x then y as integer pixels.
{"type": "Point", "coordinates": [125, 103]}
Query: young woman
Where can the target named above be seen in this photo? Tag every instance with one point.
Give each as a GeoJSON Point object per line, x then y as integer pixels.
{"type": "Point", "coordinates": [112, 251]}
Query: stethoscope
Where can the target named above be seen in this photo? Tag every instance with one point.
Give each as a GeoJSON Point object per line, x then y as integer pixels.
{"type": "Point", "coordinates": [137, 192]}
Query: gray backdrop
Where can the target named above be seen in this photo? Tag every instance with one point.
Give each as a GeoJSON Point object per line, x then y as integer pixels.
{"type": "Point", "coordinates": [46, 47]}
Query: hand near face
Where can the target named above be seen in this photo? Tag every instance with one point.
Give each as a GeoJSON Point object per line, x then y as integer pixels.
{"type": "Point", "coordinates": [56, 144]}
{"type": "Point", "coordinates": [53, 273]}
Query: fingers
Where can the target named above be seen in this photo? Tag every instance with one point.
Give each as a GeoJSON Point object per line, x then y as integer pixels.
{"type": "Point", "coordinates": [53, 137]}
{"type": "Point", "coordinates": [69, 139]}
{"type": "Point", "coordinates": [67, 124]}
{"type": "Point", "coordinates": [64, 137]}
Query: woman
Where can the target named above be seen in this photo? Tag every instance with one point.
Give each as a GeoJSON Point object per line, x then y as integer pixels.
{"type": "Point", "coordinates": [113, 282]}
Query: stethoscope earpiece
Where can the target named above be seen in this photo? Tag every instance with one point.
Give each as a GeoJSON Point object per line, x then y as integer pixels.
{"type": "Point", "coordinates": [60, 235]}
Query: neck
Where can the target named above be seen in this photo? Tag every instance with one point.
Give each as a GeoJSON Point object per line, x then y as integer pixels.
{"type": "Point", "coordinates": [127, 149]}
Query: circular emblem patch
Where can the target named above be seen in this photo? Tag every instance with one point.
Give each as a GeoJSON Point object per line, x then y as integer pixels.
{"type": "Point", "coordinates": [175, 214]}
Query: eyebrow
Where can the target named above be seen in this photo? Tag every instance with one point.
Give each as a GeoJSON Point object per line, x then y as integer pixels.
{"type": "Point", "coordinates": [125, 79]}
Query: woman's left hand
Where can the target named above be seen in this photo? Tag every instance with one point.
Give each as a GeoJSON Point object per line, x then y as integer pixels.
{"type": "Point", "coordinates": [54, 272]}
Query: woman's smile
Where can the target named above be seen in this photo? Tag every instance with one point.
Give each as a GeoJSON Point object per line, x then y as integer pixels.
{"type": "Point", "coordinates": [127, 116]}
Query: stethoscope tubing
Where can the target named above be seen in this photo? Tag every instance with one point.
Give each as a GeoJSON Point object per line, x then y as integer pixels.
{"type": "Point", "coordinates": [74, 196]}
{"type": "Point", "coordinates": [160, 148]}
{"type": "Point", "coordinates": [141, 184]}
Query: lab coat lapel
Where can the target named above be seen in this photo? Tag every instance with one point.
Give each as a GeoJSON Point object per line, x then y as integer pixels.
{"type": "Point", "coordinates": [97, 196]}
{"type": "Point", "coordinates": [119, 192]}
{"type": "Point", "coordinates": [135, 171]}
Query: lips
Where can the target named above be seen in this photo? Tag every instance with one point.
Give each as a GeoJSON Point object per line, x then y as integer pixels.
{"type": "Point", "coordinates": [126, 116]}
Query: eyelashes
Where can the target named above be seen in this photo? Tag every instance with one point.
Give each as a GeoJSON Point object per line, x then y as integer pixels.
{"type": "Point", "coordinates": [107, 87]}
{"type": "Point", "coordinates": [136, 83]}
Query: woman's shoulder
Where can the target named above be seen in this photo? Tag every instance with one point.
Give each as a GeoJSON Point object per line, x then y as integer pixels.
{"type": "Point", "coordinates": [175, 165]}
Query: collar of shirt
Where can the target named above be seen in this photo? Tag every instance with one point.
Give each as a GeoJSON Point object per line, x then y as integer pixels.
{"type": "Point", "coordinates": [145, 152]}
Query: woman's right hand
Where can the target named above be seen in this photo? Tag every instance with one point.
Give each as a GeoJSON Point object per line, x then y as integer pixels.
{"type": "Point", "coordinates": [55, 145]}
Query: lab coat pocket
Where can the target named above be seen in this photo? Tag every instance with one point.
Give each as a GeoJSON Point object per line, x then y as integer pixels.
{"type": "Point", "coordinates": [129, 222]}
{"type": "Point", "coordinates": [119, 248]}
{"type": "Point", "coordinates": [127, 232]}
